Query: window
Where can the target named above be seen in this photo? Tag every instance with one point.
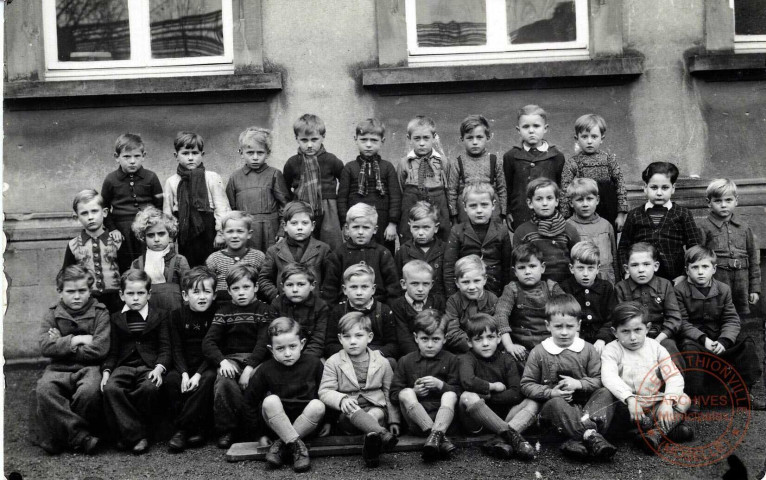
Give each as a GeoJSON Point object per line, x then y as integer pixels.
{"type": "Point", "coordinates": [749, 25]}
{"type": "Point", "coordinates": [493, 31]}
{"type": "Point", "coordinates": [91, 39]}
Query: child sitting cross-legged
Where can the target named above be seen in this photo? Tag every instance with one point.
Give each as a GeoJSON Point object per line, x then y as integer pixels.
{"type": "Point", "coordinates": [418, 296]}
{"type": "Point", "coordinates": [563, 374]}
{"type": "Point", "coordinates": [659, 405]}
{"type": "Point", "coordinates": [299, 302]}
{"type": "Point", "coordinates": [491, 399]}
{"type": "Point", "coordinates": [424, 223]}
{"type": "Point", "coordinates": [283, 394]}
{"type": "Point", "coordinates": [426, 385]}
{"type": "Point", "coordinates": [356, 383]}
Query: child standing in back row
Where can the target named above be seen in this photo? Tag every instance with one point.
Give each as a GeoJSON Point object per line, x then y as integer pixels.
{"type": "Point", "coordinates": [257, 188]}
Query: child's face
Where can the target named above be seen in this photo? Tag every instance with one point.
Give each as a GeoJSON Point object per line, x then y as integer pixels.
{"type": "Point", "coordinates": [659, 189]}
{"type": "Point", "coordinates": [91, 215]}
{"type": "Point", "coordinates": [254, 154]}
{"type": "Point", "coordinates": [485, 345]}
{"type": "Point", "coordinates": [359, 289]}
{"type": "Point", "coordinates": [475, 141]}
{"type": "Point", "coordinates": [355, 340]}
{"type": "Point", "coordinates": [544, 202]}
{"type": "Point", "coordinates": [369, 144]}
{"type": "Point", "coordinates": [200, 297]}
{"type": "Point", "coordinates": [75, 293]}
{"type": "Point", "coordinates": [585, 205]}
{"type": "Point", "coordinates": [361, 231]}
{"type": "Point", "coordinates": [130, 160]}
{"type": "Point", "coordinates": [287, 347]}
{"type": "Point", "coordinates": [532, 129]}
{"type": "Point", "coordinates": [417, 285]}
{"type": "Point", "coordinates": [478, 207]}
{"type": "Point", "coordinates": [423, 230]}
{"type": "Point", "coordinates": [471, 284]}
{"type": "Point", "coordinates": [631, 334]}
{"type": "Point", "coordinates": [243, 292]}
{"type": "Point", "coordinates": [421, 140]}
{"type": "Point", "coordinates": [723, 207]}
{"type": "Point", "coordinates": [589, 141]}
{"type": "Point", "coordinates": [563, 329]}
{"type": "Point", "coordinates": [530, 272]}
{"type": "Point", "coordinates": [585, 274]}
{"type": "Point", "coordinates": [135, 295]}
{"type": "Point", "coordinates": [309, 143]}
{"type": "Point", "coordinates": [236, 235]}
{"type": "Point", "coordinates": [429, 345]}
{"type": "Point", "coordinates": [700, 272]}
{"type": "Point", "coordinates": [189, 158]}
{"type": "Point", "coordinates": [157, 237]}
{"type": "Point", "coordinates": [299, 227]}
{"type": "Point", "coordinates": [297, 288]}
{"type": "Point", "coordinates": [642, 267]}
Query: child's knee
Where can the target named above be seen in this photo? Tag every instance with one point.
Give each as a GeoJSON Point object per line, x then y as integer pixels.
{"type": "Point", "coordinates": [468, 399]}
{"type": "Point", "coordinates": [449, 399]}
{"type": "Point", "coordinates": [407, 397]}
{"type": "Point", "coordinates": [530, 405]}
{"type": "Point", "coordinates": [378, 414]}
{"type": "Point", "coordinates": [272, 404]}
{"type": "Point", "coordinates": [315, 409]}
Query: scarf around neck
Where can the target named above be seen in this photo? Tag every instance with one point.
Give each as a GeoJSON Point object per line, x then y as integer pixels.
{"type": "Point", "coordinates": [373, 164]}
{"type": "Point", "coordinates": [192, 199]}
{"type": "Point", "coordinates": [154, 265]}
{"type": "Point", "coordinates": [310, 189]}
{"type": "Point", "coordinates": [80, 311]}
{"type": "Point", "coordinates": [551, 226]}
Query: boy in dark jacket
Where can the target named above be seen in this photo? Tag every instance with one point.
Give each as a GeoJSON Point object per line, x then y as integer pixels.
{"type": "Point", "coordinates": [416, 282]}
{"type": "Point", "coordinates": [424, 223]}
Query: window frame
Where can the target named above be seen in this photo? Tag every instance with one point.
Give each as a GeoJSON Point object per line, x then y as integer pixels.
{"type": "Point", "coordinates": [140, 65]}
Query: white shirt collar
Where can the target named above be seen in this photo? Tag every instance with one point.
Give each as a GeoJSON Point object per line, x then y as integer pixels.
{"type": "Point", "coordinates": [551, 347]}
{"type": "Point", "coordinates": [411, 301]}
{"type": "Point", "coordinates": [668, 205]}
{"type": "Point", "coordinates": [543, 147]}
{"type": "Point", "coordinates": [144, 312]}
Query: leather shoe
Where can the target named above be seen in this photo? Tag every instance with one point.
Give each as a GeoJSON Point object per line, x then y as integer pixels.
{"type": "Point", "coordinates": [177, 442]}
{"type": "Point", "coordinates": [599, 447]}
{"type": "Point", "coordinates": [524, 450]}
{"type": "Point", "coordinates": [274, 455]}
{"type": "Point", "coordinates": [574, 449]}
{"type": "Point", "coordinates": [141, 447]}
{"type": "Point", "coordinates": [225, 440]}
{"type": "Point", "coordinates": [89, 444]}
{"type": "Point", "coordinates": [681, 433]}
{"type": "Point", "coordinates": [371, 449]}
{"type": "Point", "coordinates": [446, 447]}
{"type": "Point", "coordinates": [431, 447]}
{"type": "Point", "coordinates": [195, 441]}
{"type": "Point", "coordinates": [301, 462]}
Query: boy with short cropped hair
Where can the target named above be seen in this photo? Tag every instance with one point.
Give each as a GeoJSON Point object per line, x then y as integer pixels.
{"type": "Point", "coordinates": [299, 247]}
{"type": "Point", "coordinates": [236, 345]}
{"type": "Point", "coordinates": [709, 323]}
{"type": "Point", "coordinates": [424, 223]}
{"type": "Point", "coordinates": [361, 225]}
{"type": "Point", "coordinates": [563, 373]}
{"type": "Point", "coordinates": [418, 296]}
{"type": "Point", "coordinates": [359, 288]}
{"type": "Point", "coordinates": [584, 198]}
{"type": "Point", "coordinates": [127, 190]}
{"type": "Point", "coordinates": [594, 294]}
{"type": "Point", "coordinates": [491, 399]}
{"type": "Point", "coordinates": [426, 385]}
{"type": "Point", "coordinates": [75, 336]}
{"type": "Point", "coordinates": [299, 302]}
{"type": "Point", "coordinates": [139, 356]}
{"type": "Point", "coordinates": [313, 176]}
{"type": "Point", "coordinates": [356, 383]}
{"type": "Point", "coordinates": [660, 222]}
{"type": "Point", "coordinates": [533, 159]}
{"type": "Point", "coordinates": [734, 244]}
{"type": "Point", "coordinates": [479, 236]}
{"type": "Point", "coordinates": [95, 250]}
{"type": "Point", "coordinates": [283, 396]}
{"type": "Point", "coordinates": [197, 197]}
{"type": "Point", "coordinates": [371, 180]}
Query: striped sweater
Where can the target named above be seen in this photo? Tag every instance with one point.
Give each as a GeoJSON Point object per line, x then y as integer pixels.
{"type": "Point", "coordinates": [238, 329]}
{"type": "Point", "coordinates": [221, 262]}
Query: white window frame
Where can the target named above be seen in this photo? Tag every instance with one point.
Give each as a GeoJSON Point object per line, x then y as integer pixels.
{"type": "Point", "coordinates": [747, 43]}
{"type": "Point", "coordinates": [141, 64]}
{"type": "Point", "coordinates": [497, 49]}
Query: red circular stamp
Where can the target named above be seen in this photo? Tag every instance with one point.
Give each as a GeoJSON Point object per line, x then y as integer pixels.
{"type": "Point", "coordinates": [719, 427]}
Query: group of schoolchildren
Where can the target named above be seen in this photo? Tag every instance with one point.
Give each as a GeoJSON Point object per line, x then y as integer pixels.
{"type": "Point", "coordinates": [276, 306]}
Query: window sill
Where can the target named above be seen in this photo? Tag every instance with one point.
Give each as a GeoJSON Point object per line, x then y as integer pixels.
{"type": "Point", "coordinates": [727, 66]}
{"type": "Point", "coordinates": [141, 91]}
{"type": "Point", "coordinates": [510, 76]}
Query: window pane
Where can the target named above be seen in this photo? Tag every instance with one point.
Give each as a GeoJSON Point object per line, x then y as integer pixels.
{"type": "Point", "coordinates": [186, 28]}
{"type": "Point", "coordinates": [92, 30]}
{"type": "Point", "coordinates": [750, 17]}
{"type": "Point", "coordinates": [451, 23]}
{"type": "Point", "coordinates": [541, 21]}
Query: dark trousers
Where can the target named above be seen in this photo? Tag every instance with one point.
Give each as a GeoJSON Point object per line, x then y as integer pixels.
{"type": "Point", "coordinates": [129, 399]}
{"type": "Point", "coordinates": [197, 249]}
{"type": "Point", "coordinates": [68, 405]}
{"type": "Point", "coordinates": [193, 410]}
{"type": "Point", "coordinates": [131, 247]}
{"type": "Point", "coordinates": [570, 419]}
{"type": "Point", "coordinates": [741, 356]}
{"type": "Point", "coordinates": [229, 399]}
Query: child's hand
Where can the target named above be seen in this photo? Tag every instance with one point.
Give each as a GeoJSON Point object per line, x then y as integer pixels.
{"type": "Point", "coordinates": [116, 236]}
{"type": "Point", "coordinates": [599, 346]}
{"type": "Point", "coordinates": [420, 389]}
{"type": "Point", "coordinates": [219, 242]}
{"type": "Point", "coordinates": [394, 429]}
{"type": "Point", "coordinates": [710, 345]}
{"type": "Point", "coordinates": [717, 347]}
{"type": "Point", "coordinates": [620, 221]}
{"type": "Point", "coordinates": [390, 233]}
{"type": "Point", "coordinates": [569, 383]}
{"type": "Point", "coordinates": [228, 369]}
{"type": "Point", "coordinates": [519, 352]}
{"type": "Point", "coordinates": [431, 383]}
{"type": "Point", "coordinates": [325, 430]}
{"type": "Point", "coordinates": [155, 376]}
{"type": "Point", "coordinates": [666, 415]}
{"type": "Point", "coordinates": [193, 382]}
{"type": "Point", "coordinates": [497, 387]}
{"type": "Point", "coordinates": [753, 297]}
{"type": "Point", "coordinates": [560, 392]}
{"type": "Point", "coordinates": [184, 382]}
{"type": "Point", "coordinates": [54, 334]}
{"type": "Point", "coordinates": [104, 379]}
{"type": "Point", "coordinates": [635, 410]}
{"type": "Point", "coordinates": [244, 379]}
{"type": "Point", "coordinates": [349, 405]}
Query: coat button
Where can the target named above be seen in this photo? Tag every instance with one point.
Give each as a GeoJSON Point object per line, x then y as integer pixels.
{"type": "Point", "coordinates": [589, 317]}
{"type": "Point", "coordinates": [532, 165]}
{"type": "Point", "coordinates": [587, 291]}
{"type": "Point", "coordinates": [587, 304]}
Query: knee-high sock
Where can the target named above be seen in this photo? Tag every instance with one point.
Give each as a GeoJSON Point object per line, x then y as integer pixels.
{"type": "Point", "coordinates": [480, 412]}
{"type": "Point", "coordinates": [444, 418]}
{"type": "Point", "coordinates": [418, 415]}
{"type": "Point", "coordinates": [522, 420]}
{"type": "Point", "coordinates": [280, 423]}
{"type": "Point", "coordinates": [365, 422]}
{"type": "Point", "coordinates": [308, 420]}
